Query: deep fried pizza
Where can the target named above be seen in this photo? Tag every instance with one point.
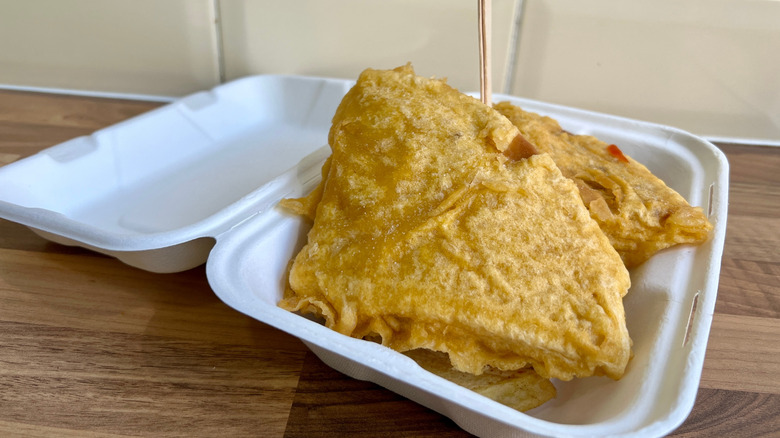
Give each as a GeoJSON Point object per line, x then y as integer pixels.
{"type": "Point", "coordinates": [639, 213]}
{"type": "Point", "coordinates": [429, 232]}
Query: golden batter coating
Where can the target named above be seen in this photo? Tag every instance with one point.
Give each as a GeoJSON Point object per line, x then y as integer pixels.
{"type": "Point", "coordinates": [639, 213]}
{"type": "Point", "coordinates": [427, 235]}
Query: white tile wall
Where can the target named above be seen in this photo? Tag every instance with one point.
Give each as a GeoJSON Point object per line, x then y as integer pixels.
{"type": "Point", "coordinates": [123, 46]}
{"type": "Point", "coordinates": [340, 38]}
{"type": "Point", "coordinates": [707, 66]}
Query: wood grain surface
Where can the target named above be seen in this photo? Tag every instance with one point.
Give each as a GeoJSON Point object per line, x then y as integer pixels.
{"type": "Point", "coordinates": [90, 347]}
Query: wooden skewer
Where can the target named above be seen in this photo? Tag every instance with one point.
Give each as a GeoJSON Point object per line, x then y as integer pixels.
{"type": "Point", "coordinates": [484, 52]}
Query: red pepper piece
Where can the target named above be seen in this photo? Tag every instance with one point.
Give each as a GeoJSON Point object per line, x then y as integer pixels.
{"type": "Point", "coordinates": [617, 153]}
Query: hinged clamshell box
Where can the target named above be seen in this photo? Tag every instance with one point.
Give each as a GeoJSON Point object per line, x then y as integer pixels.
{"type": "Point", "coordinates": [198, 180]}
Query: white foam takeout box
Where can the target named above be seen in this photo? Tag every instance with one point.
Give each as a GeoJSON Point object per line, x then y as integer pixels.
{"type": "Point", "coordinates": [198, 180]}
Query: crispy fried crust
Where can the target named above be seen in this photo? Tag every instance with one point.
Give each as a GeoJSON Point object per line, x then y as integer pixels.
{"type": "Point", "coordinates": [428, 236]}
{"type": "Point", "coordinates": [639, 213]}
{"type": "Point", "coordinates": [520, 389]}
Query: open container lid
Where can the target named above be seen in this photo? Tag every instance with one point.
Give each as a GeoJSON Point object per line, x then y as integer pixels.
{"type": "Point", "coordinates": [199, 179]}
{"type": "Point", "coordinates": [156, 189]}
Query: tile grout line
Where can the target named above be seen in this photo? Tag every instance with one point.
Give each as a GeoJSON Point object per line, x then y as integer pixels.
{"type": "Point", "coordinates": [514, 44]}
{"type": "Point", "coordinates": [88, 93]}
{"type": "Point", "coordinates": [219, 48]}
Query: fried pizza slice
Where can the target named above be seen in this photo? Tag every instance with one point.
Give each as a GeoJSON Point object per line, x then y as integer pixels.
{"type": "Point", "coordinates": [427, 235]}
{"type": "Point", "coordinates": [639, 213]}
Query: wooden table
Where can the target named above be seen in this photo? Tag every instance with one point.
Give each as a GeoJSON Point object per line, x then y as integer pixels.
{"type": "Point", "coordinates": [92, 347]}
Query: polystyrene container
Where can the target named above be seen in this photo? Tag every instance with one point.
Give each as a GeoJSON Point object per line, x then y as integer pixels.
{"type": "Point", "coordinates": [155, 190]}
{"type": "Point", "coordinates": [199, 179]}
